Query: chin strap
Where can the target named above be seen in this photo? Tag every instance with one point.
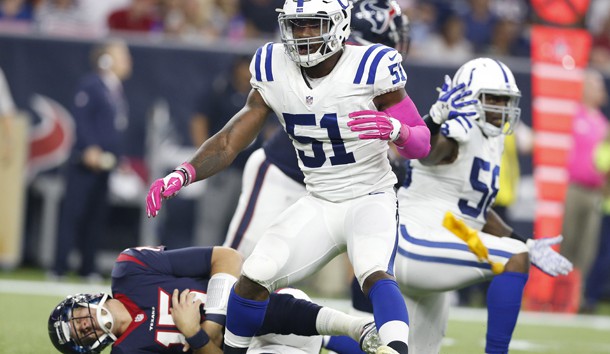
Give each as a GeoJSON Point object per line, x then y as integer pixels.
{"type": "Point", "coordinates": [104, 320]}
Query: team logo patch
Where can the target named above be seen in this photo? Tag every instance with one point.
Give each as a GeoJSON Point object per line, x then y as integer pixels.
{"type": "Point", "coordinates": [309, 100]}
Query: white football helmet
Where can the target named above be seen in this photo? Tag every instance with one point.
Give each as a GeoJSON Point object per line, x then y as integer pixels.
{"type": "Point", "coordinates": [485, 76]}
{"type": "Point", "coordinates": [334, 23]}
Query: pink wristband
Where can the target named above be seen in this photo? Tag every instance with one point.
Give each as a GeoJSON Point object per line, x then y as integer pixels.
{"type": "Point", "coordinates": [188, 171]}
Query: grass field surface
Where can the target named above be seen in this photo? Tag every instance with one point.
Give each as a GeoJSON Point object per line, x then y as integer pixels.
{"type": "Point", "coordinates": [27, 304]}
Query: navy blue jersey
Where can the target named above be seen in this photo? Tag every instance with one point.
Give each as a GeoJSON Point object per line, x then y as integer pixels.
{"type": "Point", "coordinates": [280, 152]}
{"type": "Point", "coordinates": [143, 279]}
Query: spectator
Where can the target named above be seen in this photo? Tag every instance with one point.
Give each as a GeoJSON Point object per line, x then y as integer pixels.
{"type": "Point", "coordinates": [513, 10]}
{"type": "Point", "coordinates": [140, 15]}
{"type": "Point", "coordinates": [16, 10]}
{"type": "Point", "coordinates": [450, 46]}
{"type": "Point", "coordinates": [260, 17]}
{"type": "Point", "coordinates": [172, 16]}
{"type": "Point", "coordinates": [479, 22]}
{"type": "Point", "coordinates": [599, 275]}
{"type": "Point", "coordinates": [229, 20]}
{"type": "Point", "coordinates": [100, 118]}
{"type": "Point", "coordinates": [64, 17]}
{"type": "Point", "coordinates": [506, 40]}
{"type": "Point", "coordinates": [582, 215]}
{"type": "Point", "coordinates": [97, 13]}
{"type": "Point", "coordinates": [16, 15]}
{"type": "Point", "coordinates": [422, 23]}
{"type": "Point", "coordinates": [198, 19]}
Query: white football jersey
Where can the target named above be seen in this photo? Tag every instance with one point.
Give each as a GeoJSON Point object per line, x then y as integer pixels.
{"type": "Point", "coordinates": [337, 165]}
{"type": "Point", "coordinates": [430, 191]}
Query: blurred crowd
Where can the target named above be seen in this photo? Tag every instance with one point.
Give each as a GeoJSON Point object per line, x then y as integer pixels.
{"type": "Point", "coordinates": [441, 30]}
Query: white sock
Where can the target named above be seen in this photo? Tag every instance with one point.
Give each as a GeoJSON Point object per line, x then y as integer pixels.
{"type": "Point", "coordinates": [333, 322]}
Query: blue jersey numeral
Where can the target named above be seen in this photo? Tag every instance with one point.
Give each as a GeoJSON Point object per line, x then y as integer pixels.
{"type": "Point", "coordinates": [487, 195]}
{"type": "Point", "coordinates": [398, 73]}
{"type": "Point", "coordinates": [328, 122]}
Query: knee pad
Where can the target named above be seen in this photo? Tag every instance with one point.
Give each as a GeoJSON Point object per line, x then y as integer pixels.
{"type": "Point", "coordinates": [261, 269]}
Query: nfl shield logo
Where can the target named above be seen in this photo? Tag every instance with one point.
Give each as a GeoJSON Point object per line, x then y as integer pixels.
{"type": "Point", "coordinates": [309, 100]}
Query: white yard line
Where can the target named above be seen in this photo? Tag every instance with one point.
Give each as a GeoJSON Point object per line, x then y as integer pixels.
{"type": "Point", "coordinates": [48, 288]}
{"type": "Point", "coordinates": [463, 314]}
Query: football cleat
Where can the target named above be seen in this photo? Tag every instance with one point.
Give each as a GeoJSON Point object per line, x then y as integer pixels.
{"type": "Point", "coordinates": [369, 339]}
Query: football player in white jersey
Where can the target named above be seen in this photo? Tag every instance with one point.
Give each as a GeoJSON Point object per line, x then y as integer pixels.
{"type": "Point", "coordinates": [460, 175]}
{"type": "Point", "coordinates": [272, 180]}
{"type": "Point", "coordinates": [314, 83]}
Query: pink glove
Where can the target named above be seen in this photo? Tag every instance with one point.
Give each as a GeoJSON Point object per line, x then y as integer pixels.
{"type": "Point", "coordinates": [378, 125]}
{"type": "Point", "coordinates": [168, 186]}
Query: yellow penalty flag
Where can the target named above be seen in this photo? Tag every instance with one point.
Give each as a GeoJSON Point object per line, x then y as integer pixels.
{"type": "Point", "coordinates": [471, 237]}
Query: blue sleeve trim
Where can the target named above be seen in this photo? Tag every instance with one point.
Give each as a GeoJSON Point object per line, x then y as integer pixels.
{"type": "Point", "coordinates": [257, 64]}
{"type": "Point", "coordinates": [375, 64]}
{"type": "Point", "coordinates": [268, 66]}
{"type": "Point", "coordinates": [365, 57]}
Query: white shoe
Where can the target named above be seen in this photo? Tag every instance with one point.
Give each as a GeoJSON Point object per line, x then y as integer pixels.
{"type": "Point", "coordinates": [369, 339]}
{"type": "Point", "coordinates": [384, 349]}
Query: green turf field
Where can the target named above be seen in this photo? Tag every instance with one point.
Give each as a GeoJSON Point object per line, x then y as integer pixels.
{"type": "Point", "coordinates": [468, 338]}
{"type": "Point", "coordinates": [23, 330]}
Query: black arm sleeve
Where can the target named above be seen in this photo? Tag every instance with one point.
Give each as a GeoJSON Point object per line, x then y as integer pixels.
{"type": "Point", "coordinates": [433, 127]}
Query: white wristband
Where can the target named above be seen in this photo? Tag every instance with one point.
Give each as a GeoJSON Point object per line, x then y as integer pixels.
{"type": "Point", "coordinates": [396, 126]}
{"type": "Point", "coordinates": [219, 288]}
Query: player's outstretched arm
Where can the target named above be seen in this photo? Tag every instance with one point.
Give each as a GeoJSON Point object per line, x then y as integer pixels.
{"type": "Point", "coordinates": [541, 253]}
{"type": "Point", "coordinates": [214, 155]}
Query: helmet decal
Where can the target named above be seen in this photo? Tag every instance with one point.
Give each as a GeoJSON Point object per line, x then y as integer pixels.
{"type": "Point", "coordinates": [373, 14]}
{"type": "Point", "coordinates": [380, 21]}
